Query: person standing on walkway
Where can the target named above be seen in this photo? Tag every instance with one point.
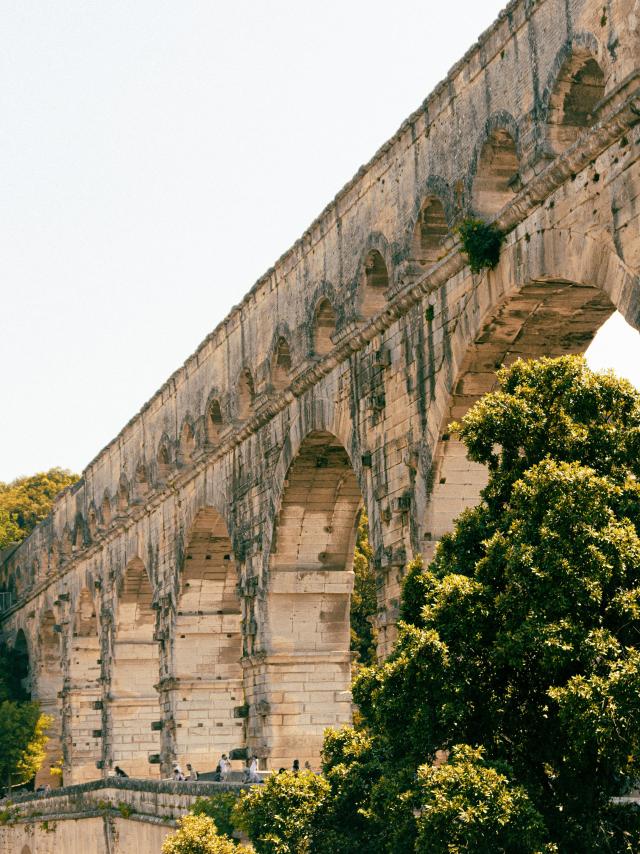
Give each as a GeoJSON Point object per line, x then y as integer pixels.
{"type": "Point", "coordinates": [225, 767]}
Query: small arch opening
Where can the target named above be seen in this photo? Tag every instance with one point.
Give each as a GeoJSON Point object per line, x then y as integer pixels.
{"type": "Point", "coordinates": [430, 232]}
{"type": "Point", "coordinates": [246, 393]}
{"type": "Point", "coordinates": [164, 463]}
{"type": "Point", "coordinates": [215, 423]}
{"type": "Point", "coordinates": [572, 106]}
{"type": "Point", "coordinates": [324, 326]}
{"type": "Point", "coordinates": [496, 180]}
{"type": "Point", "coordinates": [122, 497]}
{"type": "Point", "coordinates": [66, 544]}
{"type": "Point", "coordinates": [105, 511]}
{"type": "Point", "coordinates": [141, 481]}
{"type": "Point", "coordinates": [78, 534]}
{"type": "Point", "coordinates": [187, 444]}
{"type": "Point", "coordinates": [281, 364]}
{"type": "Point", "coordinates": [92, 521]}
{"type": "Point", "coordinates": [373, 284]}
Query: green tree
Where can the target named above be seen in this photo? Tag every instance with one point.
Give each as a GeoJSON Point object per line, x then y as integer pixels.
{"type": "Point", "coordinates": [518, 655]}
{"type": "Point", "coordinates": [220, 808]}
{"type": "Point", "coordinates": [13, 667]}
{"type": "Point", "coordinates": [197, 834]}
{"type": "Point", "coordinates": [22, 741]}
{"type": "Point", "coordinates": [523, 632]}
{"type": "Point", "coordinates": [26, 501]}
{"type": "Point", "coordinates": [364, 604]}
{"type": "Point", "coordinates": [284, 815]}
{"type": "Point", "coordinates": [469, 804]}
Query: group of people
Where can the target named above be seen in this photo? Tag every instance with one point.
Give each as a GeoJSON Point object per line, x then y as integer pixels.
{"type": "Point", "coordinates": [222, 771]}
{"type": "Point", "coordinates": [224, 767]}
{"type": "Point", "coordinates": [296, 767]}
{"type": "Point", "coordinates": [191, 776]}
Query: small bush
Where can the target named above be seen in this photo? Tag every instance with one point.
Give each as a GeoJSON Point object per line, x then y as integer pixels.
{"type": "Point", "coordinates": [7, 815]}
{"type": "Point", "coordinates": [125, 810]}
{"type": "Point", "coordinates": [282, 816]}
{"type": "Point", "coordinates": [481, 241]}
{"type": "Point", "coordinates": [219, 807]}
{"type": "Point", "coordinates": [197, 834]}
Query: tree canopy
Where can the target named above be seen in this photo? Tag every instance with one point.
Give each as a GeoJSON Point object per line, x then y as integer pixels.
{"type": "Point", "coordinates": [22, 726]}
{"type": "Point", "coordinates": [507, 718]}
{"type": "Point", "coordinates": [26, 501]}
{"type": "Point", "coordinates": [197, 834]}
{"type": "Point", "coordinates": [22, 741]}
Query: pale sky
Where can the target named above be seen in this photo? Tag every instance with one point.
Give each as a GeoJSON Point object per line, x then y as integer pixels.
{"type": "Point", "coordinates": [157, 157]}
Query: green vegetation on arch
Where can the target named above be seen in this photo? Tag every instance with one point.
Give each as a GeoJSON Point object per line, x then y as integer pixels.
{"type": "Point", "coordinates": [481, 242]}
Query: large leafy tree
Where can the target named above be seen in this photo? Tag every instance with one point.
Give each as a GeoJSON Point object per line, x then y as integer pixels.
{"type": "Point", "coordinates": [507, 717]}
{"type": "Point", "coordinates": [26, 501]}
{"type": "Point", "coordinates": [22, 741]}
{"type": "Point", "coordinates": [22, 726]}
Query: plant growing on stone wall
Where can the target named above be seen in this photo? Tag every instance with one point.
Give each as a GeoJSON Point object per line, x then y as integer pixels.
{"type": "Point", "coordinates": [481, 242]}
{"type": "Point", "coordinates": [8, 814]}
{"type": "Point", "coordinates": [125, 810]}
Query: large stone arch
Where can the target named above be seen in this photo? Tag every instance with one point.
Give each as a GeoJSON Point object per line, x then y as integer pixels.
{"type": "Point", "coordinates": [565, 286]}
{"type": "Point", "coordinates": [84, 728]}
{"type": "Point", "coordinates": [206, 682]}
{"type": "Point", "coordinates": [304, 633]}
{"type": "Point", "coordinates": [48, 691]}
{"type": "Point", "coordinates": [313, 414]}
{"type": "Point", "coordinates": [23, 663]}
{"type": "Point", "coordinates": [134, 709]}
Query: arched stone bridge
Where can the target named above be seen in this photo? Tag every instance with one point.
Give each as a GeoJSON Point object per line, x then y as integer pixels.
{"type": "Point", "coordinates": [190, 594]}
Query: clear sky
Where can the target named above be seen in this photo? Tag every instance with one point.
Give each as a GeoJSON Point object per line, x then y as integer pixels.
{"type": "Point", "coordinates": [156, 157]}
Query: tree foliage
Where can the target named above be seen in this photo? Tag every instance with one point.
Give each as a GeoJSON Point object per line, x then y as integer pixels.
{"type": "Point", "coordinates": [13, 669]}
{"type": "Point", "coordinates": [283, 815]}
{"type": "Point", "coordinates": [26, 501]}
{"type": "Point", "coordinates": [197, 834]}
{"type": "Point", "coordinates": [518, 654]}
{"type": "Point", "coordinates": [469, 804]}
{"type": "Point", "coordinates": [22, 741]}
{"type": "Point", "coordinates": [364, 603]}
{"type": "Point", "coordinates": [219, 807]}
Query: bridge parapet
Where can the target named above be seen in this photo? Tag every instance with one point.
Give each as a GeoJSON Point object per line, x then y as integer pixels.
{"type": "Point", "coordinates": [162, 799]}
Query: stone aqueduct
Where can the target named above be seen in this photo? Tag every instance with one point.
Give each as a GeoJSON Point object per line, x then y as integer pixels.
{"type": "Point", "coordinates": [190, 594]}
